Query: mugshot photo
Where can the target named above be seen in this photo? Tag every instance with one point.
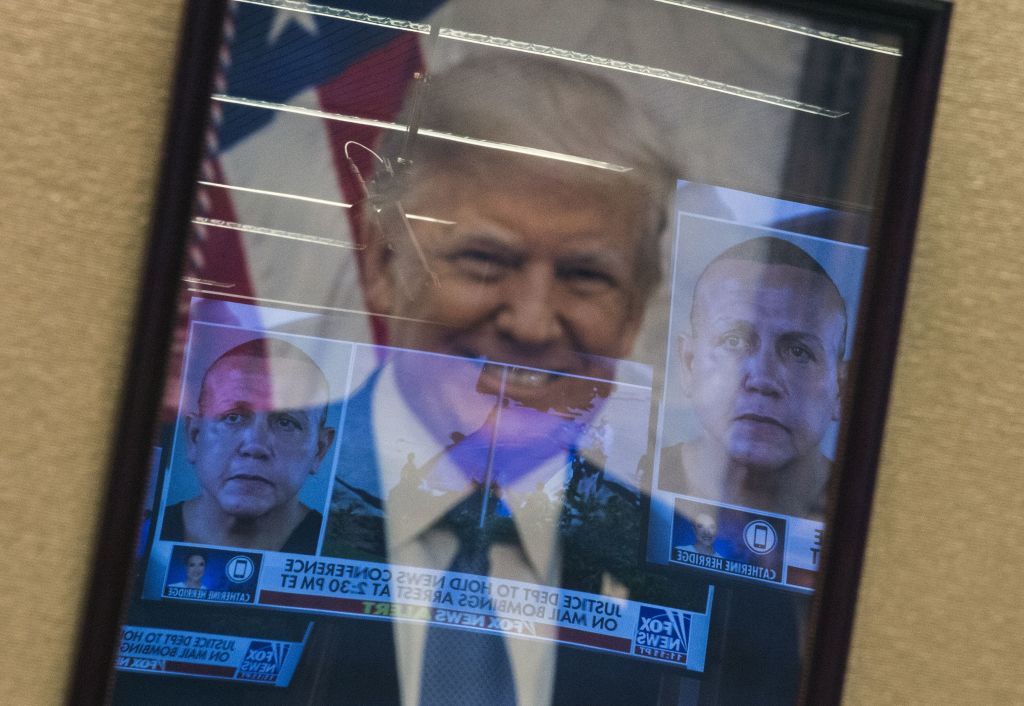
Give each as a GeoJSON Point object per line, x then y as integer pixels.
{"type": "Point", "coordinates": [255, 439]}
{"type": "Point", "coordinates": [760, 335]}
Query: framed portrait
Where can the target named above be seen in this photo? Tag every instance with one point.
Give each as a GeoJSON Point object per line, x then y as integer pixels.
{"type": "Point", "coordinates": [532, 353]}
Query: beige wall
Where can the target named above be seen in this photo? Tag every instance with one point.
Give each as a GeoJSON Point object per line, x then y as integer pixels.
{"type": "Point", "coordinates": [941, 612]}
{"type": "Point", "coordinates": [84, 91]}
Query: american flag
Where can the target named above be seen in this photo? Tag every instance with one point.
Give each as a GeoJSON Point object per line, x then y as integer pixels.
{"type": "Point", "coordinates": [294, 83]}
{"type": "Point", "coordinates": [293, 88]}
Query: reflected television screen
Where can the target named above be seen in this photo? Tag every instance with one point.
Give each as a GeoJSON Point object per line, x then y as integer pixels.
{"type": "Point", "coordinates": [510, 356]}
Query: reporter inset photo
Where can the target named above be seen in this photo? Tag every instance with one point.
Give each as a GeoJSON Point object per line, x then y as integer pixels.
{"type": "Point", "coordinates": [194, 564]}
{"type": "Point", "coordinates": [254, 444]}
{"type": "Point", "coordinates": [756, 371]}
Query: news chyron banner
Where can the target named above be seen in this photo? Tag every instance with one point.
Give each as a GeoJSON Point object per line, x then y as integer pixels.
{"type": "Point", "coordinates": [211, 656]}
{"type": "Point", "coordinates": [375, 591]}
{"type": "Point", "coordinates": [764, 299]}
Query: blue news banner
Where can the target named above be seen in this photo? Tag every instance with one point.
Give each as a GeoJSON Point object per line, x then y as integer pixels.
{"type": "Point", "coordinates": [208, 655]}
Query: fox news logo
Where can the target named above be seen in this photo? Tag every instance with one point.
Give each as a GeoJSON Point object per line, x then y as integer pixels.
{"type": "Point", "coordinates": [263, 661]}
{"type": "Point", "coordinates": [662, 633]}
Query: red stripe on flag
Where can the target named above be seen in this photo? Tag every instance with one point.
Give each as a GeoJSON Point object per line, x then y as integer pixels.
{"type": "Point", "coordinates": [224, 257]}
{"type": "Point", "coordinates": [373, 87]}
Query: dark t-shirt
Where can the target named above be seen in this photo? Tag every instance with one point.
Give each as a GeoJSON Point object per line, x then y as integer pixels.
{"type": "Point", "coordinates": [302, 540]}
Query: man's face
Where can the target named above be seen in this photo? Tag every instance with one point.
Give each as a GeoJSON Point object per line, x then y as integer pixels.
{"type": "Point", "coordinates": [706, 529]}
{"type": "Point", "coordinates": [195, 568]}
{"type": "Point", "coordinates": [535, 273]}
{"type": "Point", "coordinates": [257, 437]}
{"type": "Point", "coordinates": [762, 365]}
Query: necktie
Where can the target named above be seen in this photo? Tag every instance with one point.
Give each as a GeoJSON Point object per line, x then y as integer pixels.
{"type": "Point", "coordinates": [461, 666]}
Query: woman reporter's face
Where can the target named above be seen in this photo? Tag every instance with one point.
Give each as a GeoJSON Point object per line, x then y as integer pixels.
{"type": "Point", "coordinates": [195, 568]}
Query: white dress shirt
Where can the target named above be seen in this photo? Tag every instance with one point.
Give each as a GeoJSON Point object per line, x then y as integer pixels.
{"type": "Point", "coordinates": [415, 540]}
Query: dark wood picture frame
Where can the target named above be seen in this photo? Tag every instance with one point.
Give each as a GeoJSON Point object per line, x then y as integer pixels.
{"type": "Point", "coordinates": [121, 515]}
{"type": "Point", "coordinates": [923, 25]}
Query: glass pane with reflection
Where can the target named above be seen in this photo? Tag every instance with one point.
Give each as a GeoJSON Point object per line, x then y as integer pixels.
{"type": "Point", "coordinates": [510, 356]}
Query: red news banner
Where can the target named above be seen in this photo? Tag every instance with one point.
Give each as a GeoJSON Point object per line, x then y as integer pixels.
{"type": "Point", "coordinates": [387, 591]}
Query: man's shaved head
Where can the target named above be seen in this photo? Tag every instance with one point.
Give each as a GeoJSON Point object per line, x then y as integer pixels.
{"type": "Point", "coordinates": [769, 250]}
{"type": "Point", "coordinates": [763, 363]}
{"type": "Point", "coordinates": [262, 355]}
